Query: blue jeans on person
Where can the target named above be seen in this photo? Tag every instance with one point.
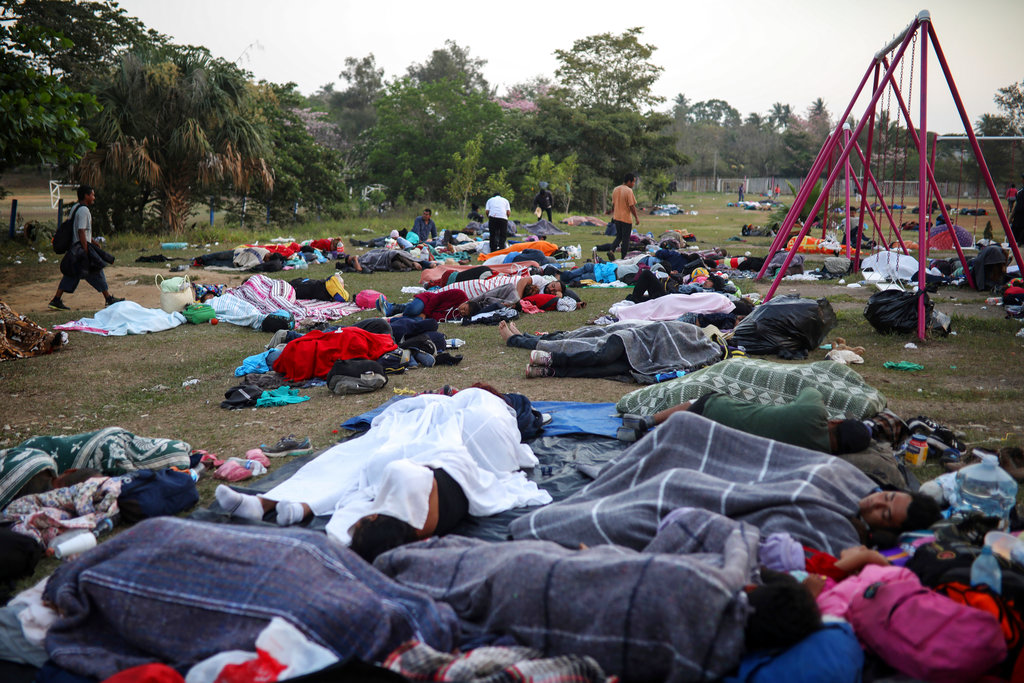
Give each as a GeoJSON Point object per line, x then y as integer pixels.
{"type": "Point", "coordinates": [572, 277]}
{"type": "Point", "coordinates": [412, 309]}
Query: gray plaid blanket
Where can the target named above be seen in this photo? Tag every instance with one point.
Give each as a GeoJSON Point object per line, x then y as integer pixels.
{"type": "Point", "coordinates": [675, 613]}
{"type": "Point", "coordinates": [651, 347]}
{"type": "Point", "coordinates": [690, 461]}
{"type": "Point", "coordinates": [178, 591]}
{"type": "Point", "coordinates": [763, 381]}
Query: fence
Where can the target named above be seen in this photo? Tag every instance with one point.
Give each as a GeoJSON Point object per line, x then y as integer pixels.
{"type": "Point", "coordinates": [898, 191]}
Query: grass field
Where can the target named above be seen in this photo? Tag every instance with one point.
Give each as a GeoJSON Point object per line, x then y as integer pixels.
{"type": "Point", "coordinates": [972, 380]}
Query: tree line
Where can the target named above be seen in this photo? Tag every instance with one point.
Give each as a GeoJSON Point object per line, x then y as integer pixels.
{"type": "Point", "coordinates": [162, 128]}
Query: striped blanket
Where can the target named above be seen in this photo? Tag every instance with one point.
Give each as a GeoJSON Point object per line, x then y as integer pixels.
{"type": "Point", "coordinates": [762, 381]}
{"type": "Point", "coordinates": [178, 591]}
{"type": "Point", "coordinates": [690, 461]}
{"type": "Point", "coordinates": [269, 294]}
{"type": "Point", "coordinates": [673, 614]}
{"type": "Point", "coordinates": [111, 450]}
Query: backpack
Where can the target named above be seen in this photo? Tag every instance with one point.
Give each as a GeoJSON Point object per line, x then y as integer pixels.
{"type": "Point", "coordinates": [199, 313]}
{"type": "Point", "coordinates": [65, 235]}
{"type": "Point", "coordinates": [923, 634]}
{"type": "Point", "coordinates": [1003, 609]}
{"type": "Point", "coordinates": [155, 493]}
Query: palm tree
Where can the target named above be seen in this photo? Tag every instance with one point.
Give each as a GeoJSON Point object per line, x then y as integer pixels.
{"type": "Point", "coordinates": [780, 115]}
{"type": "Point", "coordinates": [176, 120]}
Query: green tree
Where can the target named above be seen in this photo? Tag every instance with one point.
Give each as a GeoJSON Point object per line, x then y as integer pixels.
{"type": "Point", "coordinates": [498, 183]}
{"type": "Point", "coordinates": [464, 176]}
{"type": "Point", "coordinates": [715, 112]}
{"type": "Point", "coordinates": [560, 177]}
{"type": "Point", "coordinates": [780, 116]}
{"type": "Point", "coordinates": [40, 115]}
{"type": "Point", "coordinates": [452, 63]}
{"type": "Point", "coordinates": [608, 70]}
{"type": "Point", "coordinates": [178, 121]}
{"type": "Point", "coordinates": [657, 185]}
{"type": "Point", "coordinates": [420, 126]}
{"type": "Point", "coordinates": [1010, 101]}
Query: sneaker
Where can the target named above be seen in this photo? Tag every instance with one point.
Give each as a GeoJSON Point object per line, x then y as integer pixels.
{"type": "Point", "coordinates": [535, 371]}
{"type": "Point", "coordinates": [58, 305]}
{"type": "Point", "coordinates": [542, 358]}
{"type": "Point", "coordinates": [279, 338]}
{"type": "Point", "coordinates": [594, 258]}
{"type": "Point", "coordinates": [113, 300]}
{"type": "Point", "coordinates": [288, 445]}
{"type": "Point", "coordinates": [382, 306]}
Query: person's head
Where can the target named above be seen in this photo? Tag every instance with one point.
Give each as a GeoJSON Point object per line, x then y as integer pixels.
{"type": "Point", "coordinates": [86, 195]}
{"type": "Point", "coordinates": [899, 510]}
{"type": "Point", "coordinates": [467, 309]}
{"type": "Point", "coordinates": [374, 535]}
{"type": "Point", "coordinates": [530, 290]}
{"type": "Point", "coordinates": [474, 207]}
{"type": "Point", "coordinates": [742, 307]}
{"type": "Point", "coordinates": [554, 288]}
{"type": "Point", "coordinates": [629, 180]}
{"type": "Point", "coordinates": [848, 436]}
{"type": "Point", "coordinates": [784, 613]}
{"type": "Point", "coordinates": [426, 214]}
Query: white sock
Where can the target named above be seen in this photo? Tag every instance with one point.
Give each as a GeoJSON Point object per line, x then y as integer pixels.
{"type": "Point", "coordinates": [289, 513]}
{"type": "Point", "coordinates": [239, 504]}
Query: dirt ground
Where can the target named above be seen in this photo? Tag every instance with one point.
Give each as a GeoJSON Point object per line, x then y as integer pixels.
{"type": "Point", "coordinates": [136, 283]}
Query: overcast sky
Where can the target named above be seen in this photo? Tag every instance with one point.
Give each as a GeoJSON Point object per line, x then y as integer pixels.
{"type": "Point", "coordinates": [750, 54]}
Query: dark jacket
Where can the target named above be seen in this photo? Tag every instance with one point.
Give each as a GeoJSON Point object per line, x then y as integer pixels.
{"type": "Point", "coordinates": [544, 199]}
{"type": "Point", "coordinates": [78, 263]}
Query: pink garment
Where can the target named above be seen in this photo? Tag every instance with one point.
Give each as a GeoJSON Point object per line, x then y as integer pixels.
{"type": "Point", "coordinates": [835, 600]}
{"type": "Point", "coordinates": [232, 471]}
{"type": "Point", "coordinates": [671, 306]}
{"type": "Point", "coordinates": [258, 455]}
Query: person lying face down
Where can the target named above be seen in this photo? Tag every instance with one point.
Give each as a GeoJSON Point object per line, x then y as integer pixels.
{"type": "Point", "coordinates": [804, 422]}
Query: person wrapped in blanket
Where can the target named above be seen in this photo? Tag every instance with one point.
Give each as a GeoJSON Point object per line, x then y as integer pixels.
{"type": "Point", "coordinates": [409, 483]}
{"type": "Point", "coordinates": [330, 289]}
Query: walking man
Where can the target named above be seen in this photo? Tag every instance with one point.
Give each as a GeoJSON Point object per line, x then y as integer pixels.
{"type": "Point", "coordinates": [498, 211]}
{"type": "Point", "coordinates": [623, 206]}
{"type": "Point", "coordinates": [82, 261]}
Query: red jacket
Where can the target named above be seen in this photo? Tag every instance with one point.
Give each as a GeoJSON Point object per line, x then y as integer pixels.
{"type": "Point", "coordinates": [314, 354]}
{"type": "Point", "coordinates": [439, 305]}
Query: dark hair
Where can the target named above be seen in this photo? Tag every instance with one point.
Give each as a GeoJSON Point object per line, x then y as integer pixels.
{"type": "Point", "coordinates": [474, 308]}
{"type": "Point", "coordinates": [922, 512]}
{"type": "Point", "coordinates": [784, 613]}
{"type": "Point", "coordinates": [427, 210]}
{"type": "Point", "coordinates": [852, 436]}
{"type": "Point", "coordinates": [742, 307]}
{"type": "Point", "coordinates": [375, 535]}
{"type": "Point", "coordinates": [84, 190]}
{"type": "Point", "coordinates": [629, 176]}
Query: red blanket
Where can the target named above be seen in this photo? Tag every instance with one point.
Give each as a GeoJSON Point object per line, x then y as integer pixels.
{"type": "Point", "coordinates": [314, 354]}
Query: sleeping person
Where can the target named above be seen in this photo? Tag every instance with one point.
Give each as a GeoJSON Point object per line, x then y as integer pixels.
{"type": "Point", "coordinates": [420, 459]}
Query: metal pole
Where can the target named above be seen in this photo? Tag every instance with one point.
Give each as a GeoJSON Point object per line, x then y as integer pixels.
{"type": "Point", "coordinates": [846, 169]}
{"type": "Point", "coordinates": [14, 218]}
{"type": "Point", "coordinates": [242, 222]}
{"type": "Point", "coordinates": [60, 212]}
{"type": "Point", "coordinates": [211, 212]}
{"type": "Point", "coordinates": [922, 191]}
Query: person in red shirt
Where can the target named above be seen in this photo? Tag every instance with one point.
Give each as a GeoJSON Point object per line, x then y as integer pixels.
{"type": "Point", "coordinates": [1011, 197]}
{"type": "Point", "coordinates": [451, 304]}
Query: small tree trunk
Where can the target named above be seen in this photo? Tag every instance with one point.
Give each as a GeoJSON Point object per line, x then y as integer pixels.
{"type": "Point", "coordinates": [176, 207]}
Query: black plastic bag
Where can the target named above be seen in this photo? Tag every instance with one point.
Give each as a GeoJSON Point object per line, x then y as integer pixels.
{"type": "Point", "coordinates": [788, 326]}
{"type": "Point", "coordinates": [893, 311]}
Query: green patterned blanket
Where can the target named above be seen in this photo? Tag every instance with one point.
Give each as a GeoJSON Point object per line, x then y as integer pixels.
{"type": "Point", "coordinates": [845, 392]}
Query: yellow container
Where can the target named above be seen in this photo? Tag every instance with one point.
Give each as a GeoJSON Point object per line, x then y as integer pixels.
{"type": "Point", "coordinates": [916, 452]}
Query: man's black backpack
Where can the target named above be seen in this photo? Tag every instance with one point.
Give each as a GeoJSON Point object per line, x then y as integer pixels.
{"type": "Point", "coordinates": [65, 235]}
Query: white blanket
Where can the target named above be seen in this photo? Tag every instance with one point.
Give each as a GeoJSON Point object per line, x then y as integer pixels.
{"type": "Point", "coordinates": [671, 306]}
{"type": "Point", "coordinates": [472, 436]}
{"type": "Point", "coordinates": [125, 317]}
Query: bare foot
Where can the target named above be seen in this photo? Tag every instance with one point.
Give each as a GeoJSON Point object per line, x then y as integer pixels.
{"type": "Point", "coordinates": [503, 330]}
{"type": "Point", "coordinates": [512, 327]}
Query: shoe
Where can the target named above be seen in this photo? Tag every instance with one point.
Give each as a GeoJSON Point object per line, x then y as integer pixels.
{"type": "Point", "coordinates": [383, 307]}
{"type": "Point", "coordinates": [58, 305]}
{"type": "Point", "coordinates": [611, 256]}
{"type": "Point", "coordinates": [535, 371]}
{"type": "Point", "coordinates": [113, 300]}
{"type": "Point", "coordinates": [288, 445]}
{"type": "Point", "coordinates": [593, 256]}
{"type": "Point", "coordinates": [542, 358]}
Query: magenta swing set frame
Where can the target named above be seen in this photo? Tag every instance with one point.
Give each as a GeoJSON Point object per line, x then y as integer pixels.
{"type": "Point", "coordinates": [845, 140]}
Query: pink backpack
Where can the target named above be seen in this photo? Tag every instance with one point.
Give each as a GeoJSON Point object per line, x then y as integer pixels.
{"type": "Point", "coordinates": [924, 634]}
{"type": "Point", "coordinates": [367, 298]}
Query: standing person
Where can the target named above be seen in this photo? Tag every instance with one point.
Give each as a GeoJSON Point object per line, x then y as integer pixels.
{"type": "Point", "coordinates": [82, 261]}
{"type": "Point", "coordinates": [498, 211]}
{"type": "Point", "coordinates": [1017, 216]}
{"type": "Point", "coordinates": [424, 226]}
{"type": "Point", "coordinates": [623, 204]}
{"type": "Point", "coordinates": [741, 192]}
{"type": "Point", "coordinates": [1011, 197]}
{"type": "Point", "coordinates": [544, 200]}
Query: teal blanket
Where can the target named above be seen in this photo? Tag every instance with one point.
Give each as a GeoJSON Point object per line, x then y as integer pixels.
{"type": "Point", "coordinates": [770, 383]}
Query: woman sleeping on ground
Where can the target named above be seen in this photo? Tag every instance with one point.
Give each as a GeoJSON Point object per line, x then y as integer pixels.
{"type": "Point", "coordinates": [425, 462]}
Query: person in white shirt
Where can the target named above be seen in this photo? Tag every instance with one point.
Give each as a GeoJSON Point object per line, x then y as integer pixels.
{"type": "Point", "coordinates": [498, 211]}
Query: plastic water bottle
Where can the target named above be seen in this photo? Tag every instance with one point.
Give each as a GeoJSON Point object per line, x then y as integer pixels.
{"type": "Point", "coordinates": [1006, 546]}
{"type": "Point", "coordinates": [665, 376]}
{"type": "Point", "coordinates": [103, 527]}
{"type": "Point", "coordinates": [985, 570]}
{"type": "Point", "coordinates": [986, 488]}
